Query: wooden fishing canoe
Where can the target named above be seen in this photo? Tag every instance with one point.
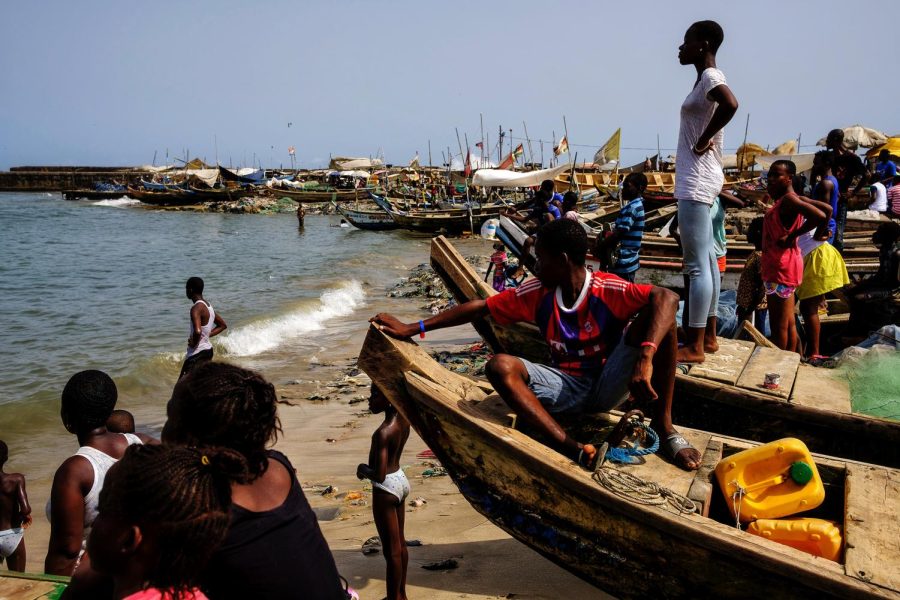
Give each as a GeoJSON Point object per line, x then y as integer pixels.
{"type": "Point", "coordinates": [369, 220]}
{"type": "Point", "coordinates": [171, 197]}
{"type": "Point", "coordinates": [628, 548]}
{"type": "Point", "coordinates": [304, 196]}
{"type": "Point", "coordinates": [436, 220]}
{"type": "Point", "coordinates": [724, 394]}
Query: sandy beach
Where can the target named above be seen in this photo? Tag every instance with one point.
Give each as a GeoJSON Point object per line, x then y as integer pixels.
{"type": "Point", "coordinates": [327, 428]}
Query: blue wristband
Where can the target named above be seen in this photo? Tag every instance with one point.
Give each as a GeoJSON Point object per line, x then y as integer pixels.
{"type": "Point", "coordinates": [422, 329]}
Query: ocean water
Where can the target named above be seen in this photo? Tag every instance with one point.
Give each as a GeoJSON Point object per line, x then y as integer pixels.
{"type": "Point", "coordinates": [100, 285]}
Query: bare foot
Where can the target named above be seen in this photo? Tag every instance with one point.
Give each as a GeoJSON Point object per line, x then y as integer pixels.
{"type": "Point", "coordinates": [710, 345]}
{"type": "Point", "coordinates": [688, 354]}
{"type": "Point", "coordinates": [688, 459]}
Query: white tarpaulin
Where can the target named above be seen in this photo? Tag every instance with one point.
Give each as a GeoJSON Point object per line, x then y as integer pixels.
{"type": "Point", "coordinates": [341, 163]}
{"type": "Point", "coordinates": [804, 162]}
{"type": "Point", "coordinates": [509, 179]}
{"type": "Point", "coordinates": [207, 176]}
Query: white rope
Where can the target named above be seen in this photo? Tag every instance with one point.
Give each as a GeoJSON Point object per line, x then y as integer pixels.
{"type": "Point", "coordinates": [635, 489]}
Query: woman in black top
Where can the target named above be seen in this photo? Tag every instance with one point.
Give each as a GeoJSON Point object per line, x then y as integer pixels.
{"type": "Point", "coordinates": [274, 547]}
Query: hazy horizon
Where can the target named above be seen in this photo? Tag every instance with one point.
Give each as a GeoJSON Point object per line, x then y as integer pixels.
{"type": "Point", "coordinates": [103, 83]}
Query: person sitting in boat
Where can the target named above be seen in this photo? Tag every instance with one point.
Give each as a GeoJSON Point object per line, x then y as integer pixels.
{"type": "Point", "coordinates": [624, 241]}
{"type": "Point", "coordinates": [596, 363]}
{"type": "Point", "coordinates": [872, 303]}
{"type": "Point", "coordinates": [569, 203]}
{"type": "Point", "coordinates": [549, 188]}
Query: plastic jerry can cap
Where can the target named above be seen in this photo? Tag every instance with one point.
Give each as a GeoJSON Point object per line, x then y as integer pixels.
{"type": "Point", "coordinates": [801, 473]}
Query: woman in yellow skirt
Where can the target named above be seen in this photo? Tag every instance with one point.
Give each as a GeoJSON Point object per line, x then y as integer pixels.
{"type": "Point", "coordinates": [823, 271]}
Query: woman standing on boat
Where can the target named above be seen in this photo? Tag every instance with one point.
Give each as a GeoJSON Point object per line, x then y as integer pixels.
{"type": "Point", "coordinates": [698, 178]}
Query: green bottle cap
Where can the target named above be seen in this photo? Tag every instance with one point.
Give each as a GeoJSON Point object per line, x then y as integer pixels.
{"type": "Point", "coordinates": [801, 473]}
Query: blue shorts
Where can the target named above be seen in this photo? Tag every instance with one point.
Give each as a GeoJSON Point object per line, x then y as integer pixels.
{"type": "Point", "coordinates": [560, 392]}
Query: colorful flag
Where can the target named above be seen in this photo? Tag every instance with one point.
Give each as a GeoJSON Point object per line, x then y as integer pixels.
{"type": "Point", "coordinates": [510, 160]}
{"type": "Point", "coordinates": [292, 150]}
{"type": "Point", "coordinates": [562, 147]}
{"type": "Point", "coordinates": [479, 145]}
{"type": "Point", "coordinates": [610, 150]}
{"type": "Point", "coordinates": [468, 166]}
{"type": "Point", "coordinates": [414, 163]}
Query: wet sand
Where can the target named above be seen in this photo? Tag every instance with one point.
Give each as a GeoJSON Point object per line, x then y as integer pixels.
{"type": "Point", "coordinates": [326, 438]}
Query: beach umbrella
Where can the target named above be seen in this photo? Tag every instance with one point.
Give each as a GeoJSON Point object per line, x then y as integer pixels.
{"type": "Point", "coordinates": [892, 145]}
{"type": "Point", "coordinates": [857, 135]}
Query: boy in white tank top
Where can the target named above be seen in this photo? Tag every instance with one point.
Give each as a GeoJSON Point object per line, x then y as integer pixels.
{"type": "Point", "coordinates": [205, 323]}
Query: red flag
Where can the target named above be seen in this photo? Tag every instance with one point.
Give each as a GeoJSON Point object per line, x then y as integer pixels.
{"type": "Point", "coordinates": [479, 145]}
{"type": "Point", "coordinates": [468, 167]}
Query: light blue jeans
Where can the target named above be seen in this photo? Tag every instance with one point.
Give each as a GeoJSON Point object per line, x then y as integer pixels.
{"type": "Point", "coordinates": [700, 264]}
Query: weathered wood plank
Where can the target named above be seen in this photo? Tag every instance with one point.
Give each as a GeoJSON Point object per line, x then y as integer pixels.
{"type": "Point", "coordinates": [821, 388]}
{"type": "Point", "coordinates": [727, 364]}
{"type": "Point", "coordinates": [15, 588]}
{"type": "Point", "coordinates": [870, 526]}
{"type": "Point", "coordinates": [701, 489]}
{"type": "Point", "coordinates": [770, 360]}
{"type": "Point", "coordinates": [756, 335]}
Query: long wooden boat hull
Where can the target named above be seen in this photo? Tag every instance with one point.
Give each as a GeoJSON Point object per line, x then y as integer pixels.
{"type": "Point", "coordinates": [630, 549]}
{"type": "Point", "coordinates": [369, 220]}
{"type": "Point", "coordinates": [311, 196]}
{"type": "Point", "coordinates": [815, 408]}
{"type": "Point", "coordinates": [31, 586]}
{"type": "Point", "coordinates": [167, 198]}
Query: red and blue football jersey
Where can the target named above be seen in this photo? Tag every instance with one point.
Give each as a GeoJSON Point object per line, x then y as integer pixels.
{"type": "Point", "coordinates": [580, 337]}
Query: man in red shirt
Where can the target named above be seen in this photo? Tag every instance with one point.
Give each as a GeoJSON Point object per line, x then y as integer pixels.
{"type": "Point", "coordinates": [596, 363]}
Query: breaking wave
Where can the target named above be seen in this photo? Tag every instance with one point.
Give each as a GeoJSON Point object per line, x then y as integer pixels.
{"type": "Point", "coordinates": [118, 202]}
{"type": "Point", "coordinates": [265, 335]}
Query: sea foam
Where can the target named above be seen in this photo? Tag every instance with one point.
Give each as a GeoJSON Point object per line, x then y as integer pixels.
{"type": "Point", "coordinates": [118, 202]}
{"type": "Point", "coordinates": [262, 336]}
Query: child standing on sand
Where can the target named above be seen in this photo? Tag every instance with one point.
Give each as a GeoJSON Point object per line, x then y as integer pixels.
{"type": "Point", "coordinates": [15, 515]}
{"type": "Point", "coordinates": [389, 490]}
{"type": "Point", "coordinates": [782, 262]}
{"type": "Point", "coordinates": [499, 262]}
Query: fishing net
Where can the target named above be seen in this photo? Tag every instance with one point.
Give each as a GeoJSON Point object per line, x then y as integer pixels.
{"type": "Point", "coordinates": [874, 376]}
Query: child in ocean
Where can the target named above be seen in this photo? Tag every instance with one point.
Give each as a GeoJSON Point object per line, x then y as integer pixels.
{"type": "Point", "coordinates": [15, 515]}
{"type": "Point", "coordinates": [499, 262]}
{"type": "Point", "coordinates": [163, 512]}
{"type": "Point", "coordinates": [389, 490]}
{"type": "Point", "coordinates": [782, 263]}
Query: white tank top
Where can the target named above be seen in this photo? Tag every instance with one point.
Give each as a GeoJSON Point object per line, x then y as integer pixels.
{"type": "Point", "coordinates": [204, 343]}
{"type": "Point", "coordinates": [100, 463]}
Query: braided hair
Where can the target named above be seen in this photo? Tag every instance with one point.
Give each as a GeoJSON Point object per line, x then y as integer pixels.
{"type": "Point", "coordinates": [218, 404]}
{"type": "Point", "coordinates": [183, 495]}
{"type": "Point", "coordinates": [88, 399]}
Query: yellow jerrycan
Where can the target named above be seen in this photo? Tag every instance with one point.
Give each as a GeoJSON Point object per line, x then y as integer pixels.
{"type": "Point", "coordinates": [815, 536]}
{"type": "Point", "coordinates": [770, 481]}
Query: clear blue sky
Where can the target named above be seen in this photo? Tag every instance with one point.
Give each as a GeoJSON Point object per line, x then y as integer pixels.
{"type": "Point", "coordinates": [109, 83]}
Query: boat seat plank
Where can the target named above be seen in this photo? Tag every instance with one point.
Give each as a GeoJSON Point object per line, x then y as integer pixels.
{"type": "Point", "coordinates": [727, 364]}
{"type": "Point", "coordinates": [770, 360]}
{"type": "Point", "coordinates": [870, 527]}
{"type": "Point", "coordinates": [821, 388]}
{"type": "Point", "coordinates": [27, 589]}
{"type": "Point", "coordinates": [661, 471]}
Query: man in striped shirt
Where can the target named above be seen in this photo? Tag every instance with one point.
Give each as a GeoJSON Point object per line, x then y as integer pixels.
{"type": "Point", "coordinates": [628, 230]}
{"type": "Point", "coordinates": [893, 197]}
{"type": "Point", "coordinates": [594, 365]}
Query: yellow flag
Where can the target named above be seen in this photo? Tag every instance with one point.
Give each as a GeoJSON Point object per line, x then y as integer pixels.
{"type": "Point", "coordinates": [610, 150]}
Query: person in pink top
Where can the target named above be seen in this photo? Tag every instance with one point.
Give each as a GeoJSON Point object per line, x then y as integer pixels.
{"type": "Point", "coordinates": [164, 510]}
{"type": "Point", "coordinates": [782, 261]}
{"type": "Point", "coordinates": [893, 197]}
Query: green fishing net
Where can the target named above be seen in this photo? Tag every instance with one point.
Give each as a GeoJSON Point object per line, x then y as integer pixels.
{"type": "Point", "coordinates": [875, 384]}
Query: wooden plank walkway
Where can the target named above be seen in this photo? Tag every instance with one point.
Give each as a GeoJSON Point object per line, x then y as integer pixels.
{"type": "Point", "coordinates": [743, 364]}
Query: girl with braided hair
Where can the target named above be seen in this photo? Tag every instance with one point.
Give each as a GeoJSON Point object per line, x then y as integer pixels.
{"type": "Point", "coordinates": [163, 512]}
{"type": "Point", "coordinates": [274, 547]}
{"type": "Point", "coordinates": [87, 402]}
